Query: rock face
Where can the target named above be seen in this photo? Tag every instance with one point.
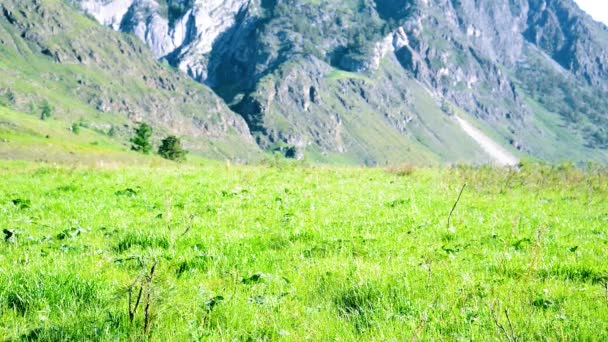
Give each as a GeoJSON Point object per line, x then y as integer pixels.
{"type": "Point", "coordinates": [182, 31]}
{"type": "Point", "coordinates": [567, 35]}
{"type": "Point", "coordinates": [377, 81]}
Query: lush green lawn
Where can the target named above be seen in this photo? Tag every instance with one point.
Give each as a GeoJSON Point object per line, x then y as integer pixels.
{"type": "Point", "coordinates": [294, 253]}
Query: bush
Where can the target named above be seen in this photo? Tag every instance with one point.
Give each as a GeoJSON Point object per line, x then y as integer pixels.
{"type": "Point", "coordinates": [141, 140]}
{"type": "Point", "coordinates": [112, 132]}
{"type": "Point", "coordinates": [46, 110]}
{"type": "Point", "coordinates": [171, 148]}
{"type": "Point", "coordinates": [75, 128]}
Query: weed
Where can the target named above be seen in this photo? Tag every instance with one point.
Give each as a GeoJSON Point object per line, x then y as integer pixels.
{"type": "Point", "coordinates": [359, 304]}
{"type": "Point", "coordinates": [253, 279]}
{"type": "Point", "coordinates": [199, 263]}
{"type": "Point", "coordinates": [26, 293]}
{"type": "Point", "coordinates": [402, 170]}
{"type": "Point", "coordinates": [9, 235]}
{"type": "Point", "coordinates": [22, 203]}
{"type": "Point", "coordinates": [142, 240]}
{"type": "Point", "coordinates": [128, 192]}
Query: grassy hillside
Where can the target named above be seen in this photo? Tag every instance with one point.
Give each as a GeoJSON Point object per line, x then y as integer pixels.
{"type": "Point", "coordinates": [51, 53]}
{"type": "Point", "coordinates": [26, 137]}
{"type": "Point", "coordinates": [294, 253]}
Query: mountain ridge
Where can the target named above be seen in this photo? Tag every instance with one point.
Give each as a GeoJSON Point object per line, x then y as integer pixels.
{"type": "Point", "coordinates": [384, 81]}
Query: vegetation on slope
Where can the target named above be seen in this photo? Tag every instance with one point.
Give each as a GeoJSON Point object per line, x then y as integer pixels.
{"type": "Point", "coordinates": [26, 137]}
{"type": "Point", "coordinates": [51, 53]}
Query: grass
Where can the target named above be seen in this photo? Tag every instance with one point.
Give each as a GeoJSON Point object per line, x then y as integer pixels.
{"type": "Point", "coordinates": [336, 75]}
{"type": "Point", "coordinates": [290, 252]}
{"type": "Point", "coordinates": [26, 137]}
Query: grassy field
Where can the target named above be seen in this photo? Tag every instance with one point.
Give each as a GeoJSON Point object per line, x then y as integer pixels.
{"type": "Point", "coordinates": [286, 252]}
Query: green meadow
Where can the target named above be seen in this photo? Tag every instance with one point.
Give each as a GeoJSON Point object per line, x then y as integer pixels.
{"type": "Point", "coordinates": [286, 251]}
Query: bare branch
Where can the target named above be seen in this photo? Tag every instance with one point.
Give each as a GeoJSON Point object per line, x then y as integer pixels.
{"type": "Point", "coordinates": [187, 228]}
{"type": "Point", "coordinates": [513, 336]}
{"type": "Point", "coordinates": [500, 326]}
{"type": "Point", "coordinates": [455, 204]}
{"type": "Point", "coordinates": [420, 327]}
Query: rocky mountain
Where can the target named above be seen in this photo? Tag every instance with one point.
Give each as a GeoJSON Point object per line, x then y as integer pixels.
{"type": "Point", "coordinates": [386, 81]}
{"type": "Point", "coordinates": [50, 53]}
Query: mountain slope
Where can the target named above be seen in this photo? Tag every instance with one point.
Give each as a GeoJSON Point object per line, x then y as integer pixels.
{"type": "Point", "coordinates": [384, 81]}
{"type": "Point", "coordinates": [49, 52]}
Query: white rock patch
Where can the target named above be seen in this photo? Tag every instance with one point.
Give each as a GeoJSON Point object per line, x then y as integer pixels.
{"type": "Point", "coordinates": [497, 152]}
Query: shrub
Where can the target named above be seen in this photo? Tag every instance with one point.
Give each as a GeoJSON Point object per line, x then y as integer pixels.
{"type": "Point", "coordinates": [171, 148]}
{"type": "Point", "coordinates": [7, 97]}
{"type": "Point", "coordinates": [75, 128]}
{"type": "Point", "coordinates": [46, 110]}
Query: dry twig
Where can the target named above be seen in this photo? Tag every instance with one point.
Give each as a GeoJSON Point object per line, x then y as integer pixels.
{"type": "Point", "coordinates": [455, 204]}
{"type": "Point", "coordinates": [420, 327]}
{"type": "Point", "coordinates": [145, 288]}
{"type": "Point", "coordinates": [187, 228]}
{"type": "Point", "coordinates": [510, 335]}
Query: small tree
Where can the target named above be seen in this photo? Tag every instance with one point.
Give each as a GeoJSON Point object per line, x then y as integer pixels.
{"type": "Point", "coordinates": [141, 140]}
{"type": "Point", "coordinates": [11, 97]}
{"type": "Point", "coordinates": [46, 110]}
{"type": "Point", "coordinates": [75, 128]}
{"type": "Point", "coordinates": [112, 131]}
{"type": "Point", "coordinates": [171, 148]}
